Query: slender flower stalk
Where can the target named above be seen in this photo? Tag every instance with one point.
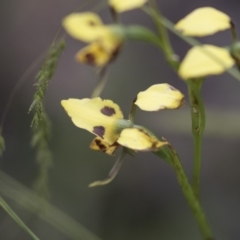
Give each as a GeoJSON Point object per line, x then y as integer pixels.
{"type": "Point", "coordinates": [198, 126]}
{"type": "Point", "coordinates": [103, 78]}
{"type": "Point", "coordinates": [113, 173]}
{"type": "Point", "coordinates": [234, 32]}
{"type": "Point", "coordinates": [196, 102]}
{"type": "Point", "coordinates": [132, 112]}
{"type": "Point", "coordinates": [165, 44]}
{"type": "Point", "coordinates": [192, 194]}
{"type": "Point", "coordinates": [168, 153]}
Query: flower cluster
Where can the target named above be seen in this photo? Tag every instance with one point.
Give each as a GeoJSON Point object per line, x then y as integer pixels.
{"type": "Point", "coordinates": [104, 119]}
{"type": "Point", "coordinates": [206, 59]}
{"type": "Point", "coordinates": [104, 41]}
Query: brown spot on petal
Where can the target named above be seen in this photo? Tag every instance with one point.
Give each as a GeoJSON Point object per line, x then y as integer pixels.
{"type": "Point", "coordinates": [154, 146]}
{"type": "Point", "coordinates": [108, 111]}
{"type": "Point", "coordinates": [90, 59]}
{"type": "Point", "coordinates": [92, 23]}
{"type": "Point", "coordinates": [100, 145]}
{"type": "Point", "coordinates": [99, 130]}
{"type": "Point", "coordinates": [141, 130]}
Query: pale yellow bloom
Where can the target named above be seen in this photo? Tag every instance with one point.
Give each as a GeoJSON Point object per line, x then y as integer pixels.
{"type": "Point", "coordinates": [205, 60]}
{"type": "Point", "coordinates": [85, 26]}
{"type": "Point", "coordinates": [139, 140]}
{"type": "Point", "coordinates": [94, 54]}
{"type": "Point", "coordinates": [100, 117]}
{"type": "Point", "coordinates": [104, 41]}
{"type": "Point", "coordinates": [204, 21]}
{"type": "Point", "coordinates": [105, 119]}
{"type": "Point", "coordinates": [158, 97]}
{"type": "Point", "coordinates": [126, 5]}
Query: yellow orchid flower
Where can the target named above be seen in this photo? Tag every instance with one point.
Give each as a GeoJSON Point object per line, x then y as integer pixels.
{"type": "Point", "coordinates": [105, 119]}
{"type": "Point", "coordinates": [203, 21]}
{"type": "Point", "coordinates": [100, 117]}
{"type": "Point", "coordinates": [204, 60]}
{"type": "Point", "coordinates": [126, 5]}
{"type": "Point", "coordinates": [158, 97]}
{"type": "Point", "coordinates": [88, 27]}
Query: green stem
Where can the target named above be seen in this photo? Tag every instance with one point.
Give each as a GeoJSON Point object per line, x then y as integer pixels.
{"type": "Point", "coordinates": [132, 112]}
{"type": "Point", "coordinates": [103, 77]}
{"type": "Point", "coordinates": [234, 33]}
{"type": "Point", "coordinates": [170, 56]}
{"type": "Point", "coordinates": [187, 190]}
{"type": "Point", "coordinates": [198, 126]}
{"type": "Point", "coordinates": [194, 87]}
{"type": "Point", "coordinates": [15, 217]}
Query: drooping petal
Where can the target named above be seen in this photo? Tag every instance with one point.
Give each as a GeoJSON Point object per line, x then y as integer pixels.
{"type": "Point", "coordinates": [100, 117]}
{"type": "Point", "coordinates": [205, 60]}
{"type": "Point", "coordinates": [113, 173]}
{"type": "Point", "coordinates": [204, 21]}
{"type": "Point", "coordinates": [139, 139]}
{"type": "Point", "coordinates": [126, 5]}
{"type": "Point", "coordinates": [158, 97]}
{"type": "Point", "coordinates": [98, 144]}
{"type": "Point", "coordinates": [94, 54]}
{"type": "Point", "coordinates": [85, 26]}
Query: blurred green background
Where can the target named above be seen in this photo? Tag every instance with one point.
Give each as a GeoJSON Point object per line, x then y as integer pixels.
{"type": "Point", "coordinates": [144, 201]}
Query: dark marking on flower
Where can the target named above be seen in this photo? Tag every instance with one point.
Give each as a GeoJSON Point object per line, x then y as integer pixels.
{"type": "Point", "coordinates": [108, 111]}
{"type": "Point", "coordinates": [92, 23]}
{"type": "Point", "coordinates": [142, 130]}
{"type": "Point", "coordinates": [109, 149]}
{"type": "Point", "coordinates": [101, 146]}
{"type": "Point", "coordinates": [99, 130]}
{"type": "Point", "coordinates": [90, 58]}
{"type": "Point", "coordinates": [154, 146]}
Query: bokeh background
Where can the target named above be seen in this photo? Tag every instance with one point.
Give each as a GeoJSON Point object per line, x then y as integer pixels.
{"type": "Point", "coordinates": [144, 201]}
